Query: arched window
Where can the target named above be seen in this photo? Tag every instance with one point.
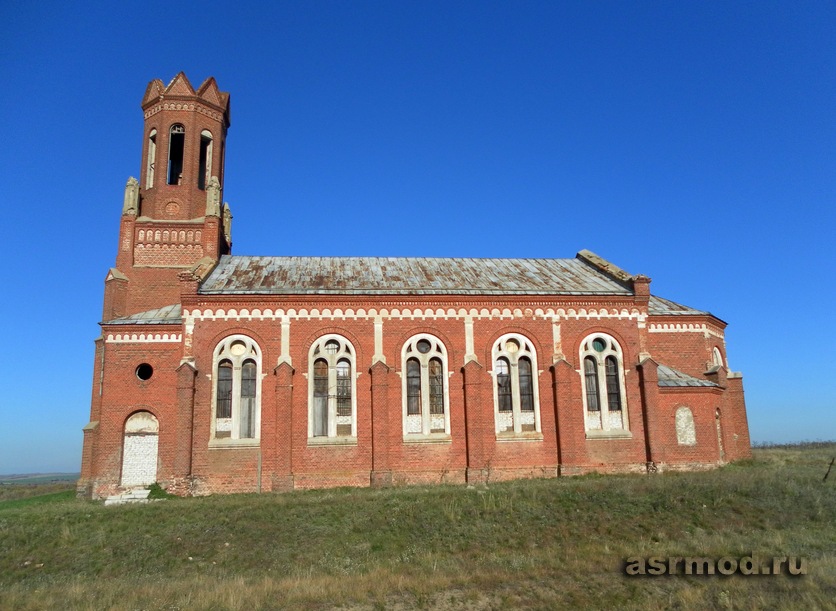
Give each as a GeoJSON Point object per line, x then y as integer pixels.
{"type": "Point", "coordinates": [151, 159]}
{"type": "Point", "coordinates": [176, 146]}
{"type": "Point", "coordinates": [332, 396]}
{"type": "Point", "coordinates": [426, 398]}
{"type": "Point", "coordinates": [204, 172]}
{"type": "Point", "coordinates": [516, 397]}
{"type": "Point", "coordinates": [237, 399]}
{"type": "Point", "coordinates": [604, 400]}
{"type": "Point", "coordinates": [717, 357]}
{"type": "Point", "coordinates": [686, 434]}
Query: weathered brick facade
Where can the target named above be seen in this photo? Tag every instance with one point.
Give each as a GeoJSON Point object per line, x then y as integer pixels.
{"type": "Point", "coordinates": [222, 364]}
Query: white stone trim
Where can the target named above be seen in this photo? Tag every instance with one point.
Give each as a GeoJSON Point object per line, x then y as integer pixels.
{"type": "Point", "coordinates": [526, 349]}
{"type": "Point", "coordinates": [408, 313]}
{"type": "Point", "coordinates": [612, 349]}
{"type": "Point", "coordinates": [684, 328]}
{"type": "Point", "coordinates": [143, 338]}
{"type": "Point", "coordinates": [438, 351]}
{"type": "Point", "coordinates": [223, 352]}
{"type": "Point", "coordinates": [346, 352]}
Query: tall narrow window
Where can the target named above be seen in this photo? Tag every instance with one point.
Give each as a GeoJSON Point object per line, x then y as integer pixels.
{"type": "Point", "coordinates": [151, 159]}
{"type": "Point", "coordinates": [237, 389]}
{"type": "Point", "coordinates": [205, 167]}
{"type": "Point", "coordinates": [224, 400]}
{"type": "Point", "coordinates": [426, 399]}
{"type": "Point", "coordinates": [603, 376]}
{"type": "Point", "coordinates": [332, 411]}
{"type": "Point", "coordinates": [176, 147]}
{"type": "Point", "coordinates": [248, 379]}
{"type": "Point", "coordinates": [516, 397]}
{"type": "Point", "coordinates": [413, 387]}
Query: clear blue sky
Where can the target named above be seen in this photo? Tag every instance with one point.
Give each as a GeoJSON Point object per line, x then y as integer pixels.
{"type": "Point", "coordinates": [694, 142]}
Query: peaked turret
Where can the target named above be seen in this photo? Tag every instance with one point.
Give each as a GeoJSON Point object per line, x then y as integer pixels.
{"type": "Point", "coordinates": [173, 216]}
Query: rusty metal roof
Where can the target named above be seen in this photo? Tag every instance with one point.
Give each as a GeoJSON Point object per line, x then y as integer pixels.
{"type": "Point", "coordinates": [407, 276]}
{"type": "Point", "coordinates": [668, 376]}
{"type": "Point", "coordinates": [665, 307]}
{"type": "Point", "coordinates": [168, 315]}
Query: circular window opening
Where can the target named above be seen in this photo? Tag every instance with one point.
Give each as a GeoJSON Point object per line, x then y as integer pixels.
{"type": "Point", "coordinates": [332, 347]}
{"type": "Point", "coordinates": [238, 348]}
{"type": "Point", "coordinates": [599, 345]}
{"type": "Point", "coordinates": [423, 346]}
{"type": "Point", "coordinates": [512, 346]}
{"type": "Point", "coordinates": [144, 372]}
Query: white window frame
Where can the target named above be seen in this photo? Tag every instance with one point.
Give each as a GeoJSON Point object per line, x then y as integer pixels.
{"type": "Point", "coordinates": [236, 349]}
{"type": "Point", "coordinates": [612, 349]}
{"type": "Point", "coordinates": [503, 349]}
{"type": "Point", "coordinates": [437, 351]}
{"type": "Point", "coordinates": [345, 352]}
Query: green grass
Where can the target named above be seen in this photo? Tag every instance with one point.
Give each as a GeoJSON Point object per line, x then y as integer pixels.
{"type": "Point", "coordinates": [557, 543]}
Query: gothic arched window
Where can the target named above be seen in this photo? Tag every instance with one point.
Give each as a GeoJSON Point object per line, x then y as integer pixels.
{"type": "Point", "coordinates": [425, 392]}
{"type": "Point", "coordinates": [204, 172]}
{"type": "Point", "coordinates": [151, 159]}
{"type": "Point", "coordinates": [332, 396]}
{"type": "Point", "coordinates": [516, 398]}
{"type": "Point", "coordinates": [237, 391]}
{"type": "Point", "coordinates": [604, 401]}
{"type": "Point", "coordinates": [176, 148]}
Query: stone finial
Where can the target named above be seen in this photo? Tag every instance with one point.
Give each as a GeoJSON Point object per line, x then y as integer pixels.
{"type": "Point", "coordinates": [227, 223]}
{"type": "Point", "coordinates": [213, 197]}
{"type": "Point", "coordinates": [131, 205]}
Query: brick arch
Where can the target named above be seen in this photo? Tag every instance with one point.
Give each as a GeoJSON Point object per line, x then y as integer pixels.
{"type": "Point", "coordinates": [351, 337]}
{"type": "Point", "coordinates": [626, 352]}
{"type": "Point", "coordinates": [259, 339]}
{"type": "Point", "coordinates": [429, 330]}
{"type": "Point", "coordinates": [135, 409]}
{"type": "Point", "coordinates": [487, 349]}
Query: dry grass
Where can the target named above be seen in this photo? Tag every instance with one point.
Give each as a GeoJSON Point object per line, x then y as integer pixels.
{"type": "Point", "coordinates": [535, 544]}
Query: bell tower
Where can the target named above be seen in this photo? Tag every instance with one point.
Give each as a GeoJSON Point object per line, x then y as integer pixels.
{"type": "Point", "coordinates": [173, 216]}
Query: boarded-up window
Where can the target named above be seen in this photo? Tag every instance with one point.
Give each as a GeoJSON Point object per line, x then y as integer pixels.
{"type": "Point", "coordinates": [686, 434]}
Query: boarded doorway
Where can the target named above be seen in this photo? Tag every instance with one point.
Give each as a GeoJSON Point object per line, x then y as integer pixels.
{"type": "Point", "coordinates": [139, 455]}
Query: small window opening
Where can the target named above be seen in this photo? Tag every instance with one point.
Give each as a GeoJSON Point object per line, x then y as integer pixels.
{"type": "Point", "coordinates": [205, 170]}
{"type": "Point", "coordinates": [176, 144]}
{"type": "Point", "coordinates": [144, 372]}
{"type": "Point", "coordinates": [152, 158]}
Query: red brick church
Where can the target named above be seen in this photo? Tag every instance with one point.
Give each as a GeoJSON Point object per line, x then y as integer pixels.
{"type": "Point", "coordinates": [219, 373]}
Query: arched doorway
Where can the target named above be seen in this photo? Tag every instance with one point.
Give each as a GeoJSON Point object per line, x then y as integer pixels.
{"type": "Point", "coordinates": [139, 455]}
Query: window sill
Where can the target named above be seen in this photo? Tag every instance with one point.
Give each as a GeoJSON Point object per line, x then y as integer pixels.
{"type": "Point", "coordinates": [431, 438]}
{"type": "Point", "coordinates": [611, 434]}
{"type": "Point", "coordinates": [233, 443]}
{"type": "Point", "coordinates": [531, 436]}
{"type": "Point", "coordinates": [331, 441]}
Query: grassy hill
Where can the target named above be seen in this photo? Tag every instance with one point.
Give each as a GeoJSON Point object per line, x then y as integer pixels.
{"type": "Point", "coordinates": [531, 544]}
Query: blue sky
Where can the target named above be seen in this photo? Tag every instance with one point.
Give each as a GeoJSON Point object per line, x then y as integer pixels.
{"type": "Point", "coordinates": [694, 142]}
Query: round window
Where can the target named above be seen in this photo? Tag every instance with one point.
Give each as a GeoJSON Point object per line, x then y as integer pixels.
{"type": "Point", "coordinates": [423, 346]}
{"type": "Point", "coordinates": [512, 346]}
{"type": "Point", "coordinates": [144, 372]}
{"type": "Point", "coordinates": [238, 348]}
{"type": "Point", "coordinates": [599, 344]}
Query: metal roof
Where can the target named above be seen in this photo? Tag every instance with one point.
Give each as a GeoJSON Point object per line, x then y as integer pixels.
{"type": "Point", "coordinates": [668, 376]}
{"type": "Point", "coordinates": [168, 315]}
{"type": "Point", "coordinates": [660, 306]}
{"type": "Point", "coordinates": [407, 276]}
